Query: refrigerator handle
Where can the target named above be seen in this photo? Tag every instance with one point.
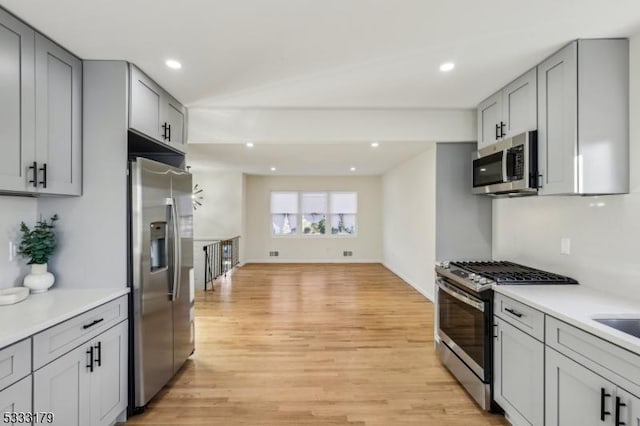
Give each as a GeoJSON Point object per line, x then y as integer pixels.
{"type": "Point", "coordinates": [177, 251]}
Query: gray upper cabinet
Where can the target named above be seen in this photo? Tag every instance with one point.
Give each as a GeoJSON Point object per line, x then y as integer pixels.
{"type": "Point", "coordinates": [155, 113]}
{"type": "Point", "coordinates": [58, 119]}
{"type": "Point", "coordinates": [508, 112]}
{"type": "Point", "coordinates": [583, 110]}
{"type": "Point", "coordinates": [17, 104]}
{"type": "Point", "coordinates": [40, 113]}
{"type": "Point", "coordinates": [489, 116]}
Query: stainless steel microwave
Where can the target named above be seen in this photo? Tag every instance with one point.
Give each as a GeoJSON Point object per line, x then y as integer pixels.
{"type": "Point", "coordinates": [508, 167]}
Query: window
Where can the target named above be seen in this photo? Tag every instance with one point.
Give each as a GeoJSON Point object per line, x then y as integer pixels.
{"type": "Point", "coordinates": [284, 213]}
{"type": "Point", "coordinates": [318, 213]}
{"type": "Point", "coordinates": [314, 213]}
{"type": "Point", "coordinates": [344, 206]}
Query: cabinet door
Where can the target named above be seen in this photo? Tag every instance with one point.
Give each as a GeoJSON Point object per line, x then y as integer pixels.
{"type": "Point", "coordinates": [557, 121]}
{"type": "Point", "coordinates": [109, 379]}
{"type": "Point", "coordinates": [518, 375]}
{"type": "Point", "coordinates": [520, 105]}
{"type": "Point", "coordinates": [489, 116]}
{"type": "Point", "coordinates": [17, 105]}
{"type": "Point", "coordinates": [629, 414]}
{"type": "Point", "coordinates": [58, 119]}
{"type": "Point", "coordinates": [145, 105]}
{"type": "Point", "coordinates": [175, 121]}
{"type": "Point", "coordinates": [574, 394]}
{"type": "Point", "coordinates": [63, 388]}
{"type": "Point", "coordinates": [16, 399]}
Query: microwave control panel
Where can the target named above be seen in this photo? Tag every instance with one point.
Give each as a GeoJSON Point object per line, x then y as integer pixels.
{"type": "Point", "coordinates": [515, 163]}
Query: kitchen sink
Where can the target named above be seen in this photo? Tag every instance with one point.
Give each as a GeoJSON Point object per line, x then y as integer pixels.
{"type": "Point", "coordinates": [626, 325]}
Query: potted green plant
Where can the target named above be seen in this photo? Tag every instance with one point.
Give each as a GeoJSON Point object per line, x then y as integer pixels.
{"type": "Point", "coordinates": [37, 245]}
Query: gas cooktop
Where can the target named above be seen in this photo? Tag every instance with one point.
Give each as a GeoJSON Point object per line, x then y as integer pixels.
{"type": "Point", "coordinates": [512, 273]}
{"type": "Point", "coordinates": [480, 276]}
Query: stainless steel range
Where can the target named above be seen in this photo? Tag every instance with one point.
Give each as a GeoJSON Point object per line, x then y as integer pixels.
{"type": "Point", "coordinates": [464, 317]}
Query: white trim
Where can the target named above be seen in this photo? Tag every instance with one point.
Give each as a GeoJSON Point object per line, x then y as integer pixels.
{"type": "Point", "coordinates": [348, 259]}
{"type": "Point", "coordinates": [418, 288]}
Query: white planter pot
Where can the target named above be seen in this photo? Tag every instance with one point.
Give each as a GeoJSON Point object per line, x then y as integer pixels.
{"type": "Point", "coordinates": [39, 280]}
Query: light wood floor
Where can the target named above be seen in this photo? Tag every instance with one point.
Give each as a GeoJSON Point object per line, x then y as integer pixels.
{"type": "Point", "coordinates": [313, 345]}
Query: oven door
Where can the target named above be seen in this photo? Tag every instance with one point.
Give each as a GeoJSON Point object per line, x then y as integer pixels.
{"type": "Point", "coordinates": [461, 325]}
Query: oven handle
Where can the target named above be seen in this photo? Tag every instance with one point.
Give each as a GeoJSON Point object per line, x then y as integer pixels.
{"type": "Point", "coordinates": [460, 295]}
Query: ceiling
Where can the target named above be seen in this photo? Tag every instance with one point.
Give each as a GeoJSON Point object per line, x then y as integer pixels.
{"type": "Point", "coordinates": [329, 54]}
{"type": "Point", "coordinates": [303, 159]}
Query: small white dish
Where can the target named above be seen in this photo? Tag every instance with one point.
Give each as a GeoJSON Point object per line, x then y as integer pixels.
{"type": "Point", "coordinates": [9, 296]}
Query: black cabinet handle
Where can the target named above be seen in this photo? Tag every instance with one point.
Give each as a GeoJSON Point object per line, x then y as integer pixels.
{"type": "Point", "coordinates": [169, 131]}
{"type": "Point", "coordinates": [93, 323]}
{"type": "Point", "coordinates": [497, 132]}
{"type": "Point", "coordinates": [43, 169]}
{"type": "Point", "coordinates": [495, 331]}
{"type": "Point", "coordinates": [502, 126]}
{"type": "Point", "coordinates": [34, 167]}
{"type": "Point", "coordinates": [98, 359]}
{"type": "Point", "coordinates": [618, 405]}
{"type": "Point", "coordinates": [90, 353]}
{"type": "Point", "coordinates": [512, 312]}
{"type": "Point", "coordinates": [164, 131]}
{"type": "Point", "coordinates": [603, 396]}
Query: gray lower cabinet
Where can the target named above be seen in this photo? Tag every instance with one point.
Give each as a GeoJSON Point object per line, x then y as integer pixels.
{"type": "Point", "coordinates": [17, 105]}
{"type": "Point", "coordinates": [88, 385]}
{"type": "Point", "coordinates": [575, 395]}
{"type": "Point", "coordinates": [629, 413]}
{"type": "Point", "coordinates": [58, 119]}
{"type": "Point", "coordinates": [16, 400]}
{"type": "Point", "coordinates": [518, 374]}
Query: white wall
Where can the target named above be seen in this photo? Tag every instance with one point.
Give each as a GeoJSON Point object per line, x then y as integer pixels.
{"type": "Point", "coordinates": [313, 125]}
{"type": "Point", "coordinates": [366, 246]}
{"type": "Point", "coordinates": [409, 213]}
{"type": "Point", "coordinates": [220, 216]}
{"type": "Point", "coordinates": [604, 231]}
{"type": "Point", "coordinates": [14, 210]}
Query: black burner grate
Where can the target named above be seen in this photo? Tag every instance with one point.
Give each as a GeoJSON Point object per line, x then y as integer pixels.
{"type": "Point", "coordinates": [512, 273]}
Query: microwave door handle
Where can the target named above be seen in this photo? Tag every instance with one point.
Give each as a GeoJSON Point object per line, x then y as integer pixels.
{"type": "Point", "coordinates": [461, 297]}
{"type": "Point", "coordinates": [504, 166]}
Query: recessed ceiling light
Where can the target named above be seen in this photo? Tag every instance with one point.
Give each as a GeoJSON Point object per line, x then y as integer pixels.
{"type": "Point", "coordinates": [375, 144]}
{"type": "Point", "coordinates": [273, 169]}
{"type": "Point", "coordinates": [249, 144]}
{"type": "Point", "coordinates": [173, 64]}
{"type": "Point", "coordinates": [353, 169]}
{"type": "Point", "coordinates": [447, 66]}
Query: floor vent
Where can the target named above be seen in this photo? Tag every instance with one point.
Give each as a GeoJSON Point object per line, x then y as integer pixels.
{"type": "Point", "coordinates": [274, 253]}
{"type": "Point", "coordinates": [347, 253]}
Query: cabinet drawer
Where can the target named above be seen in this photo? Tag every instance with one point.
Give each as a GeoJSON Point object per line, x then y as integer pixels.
{"type": "Point", "coordinates": [610, 361]}
{"type": "Point", "coordinates": [15, 363]}
{"type": "Point", "coordinates": [57, 340]}
{"type": "Point", "coordinates": [521, 316]}
{"type": "Point", "coordinates": [16, 399]}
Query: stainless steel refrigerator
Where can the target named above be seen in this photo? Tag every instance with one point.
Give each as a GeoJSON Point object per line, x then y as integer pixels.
{"type": "Point", "coordinates": [161, 263]}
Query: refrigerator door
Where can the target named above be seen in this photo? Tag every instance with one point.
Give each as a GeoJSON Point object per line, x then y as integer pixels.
{"type": "Point", "coordinates": [152, 268]}
{"type": "Point", "coordinates": [183, 328]}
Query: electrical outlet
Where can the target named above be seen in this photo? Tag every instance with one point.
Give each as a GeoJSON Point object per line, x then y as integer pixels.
{"type": "Point", "coordinates": [13, 251]}
{"type": "Point", "coordinates": [565, 245]}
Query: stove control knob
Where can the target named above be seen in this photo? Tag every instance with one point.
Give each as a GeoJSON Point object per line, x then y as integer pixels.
{"type": "Point", "coordinates": [472, 276]}
{"type": "Point", "coordinates": [483, 281]}
{"type": "Point", "coordinates": [445, 264]}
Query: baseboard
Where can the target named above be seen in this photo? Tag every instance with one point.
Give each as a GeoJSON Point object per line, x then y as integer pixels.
{"type": "Point", "coordinates": [404, 278]}
{"type": "Point", "coordinates": [281, 260]}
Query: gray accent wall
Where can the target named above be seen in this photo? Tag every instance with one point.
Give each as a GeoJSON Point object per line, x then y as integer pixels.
{"type": "Point", "coordinates": [92, 230]}
{"type": "Point", "coordinates": [463, 220]}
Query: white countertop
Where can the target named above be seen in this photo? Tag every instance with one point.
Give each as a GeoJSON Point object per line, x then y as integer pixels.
{"type": "Point", "coordinates": [41, 311]}
{"type": "Point", "coordinates": [578, 305]}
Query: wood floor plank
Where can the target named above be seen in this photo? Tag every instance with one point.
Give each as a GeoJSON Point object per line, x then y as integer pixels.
{"type": "Point", "coordinates": [313, 344]}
